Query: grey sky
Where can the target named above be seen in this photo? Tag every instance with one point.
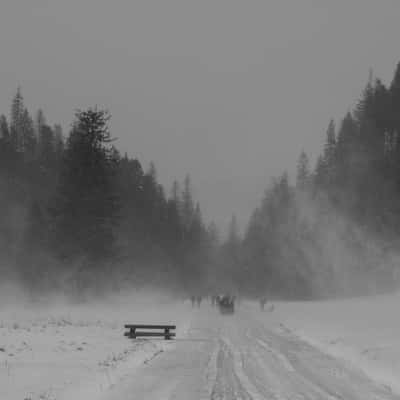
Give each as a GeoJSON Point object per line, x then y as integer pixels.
{"type": "Point", "coordinates": [229, 91]}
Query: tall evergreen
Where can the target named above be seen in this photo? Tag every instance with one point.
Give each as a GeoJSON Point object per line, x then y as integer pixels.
{"type": "Point", "coordinates": [86, 208]}
{"type": "Point", "coordinates": [303, 172]}
{"type": "Point", "coordinates": [187, 204]}
{"type": "Point", "coordinates": [16, 120]}
{"type": "Point", "coordinates": [28, 139]}
{"type": "Point", "coordinates": [4, 130]}
{"type": "Point", "coordinates": [75, 213]}
{"type": "Point", "coordinates": [330, 154]}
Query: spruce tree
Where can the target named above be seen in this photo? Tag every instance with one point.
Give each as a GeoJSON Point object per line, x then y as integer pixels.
{"type": "Point", "coordinates": [28, 139]}
{"type": "Point", "coordinates": [187, 204]}
{"type": "Point", "coordinates": [303, 172]}
{"type": "Point", "coordinates": [4, 130]}
{"type": "Point", "coordinates": [16, 118]}
{"type": "Point", "coordinates": [330, 147]}
{"type": "Point", "coordinates": [87, 206]}
{"type": "Point", "coordinates": [40, 121]}
{"type": "Point", "coordinates": [46, 150]}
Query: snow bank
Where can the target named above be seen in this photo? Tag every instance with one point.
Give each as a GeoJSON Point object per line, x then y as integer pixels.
{"type": "Point", "coordinates": [363, 331]}
{"type": "Point", "coordinates": [57, 350]}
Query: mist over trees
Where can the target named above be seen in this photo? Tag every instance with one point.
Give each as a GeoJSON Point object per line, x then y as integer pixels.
{"type": "Point", "coordinates": [337, 230]}
{"type": "Point", "coordinates": [76, 215]}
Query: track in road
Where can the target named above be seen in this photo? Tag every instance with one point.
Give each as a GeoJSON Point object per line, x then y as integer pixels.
{"type": "Point", "coordinates": [241, 358]}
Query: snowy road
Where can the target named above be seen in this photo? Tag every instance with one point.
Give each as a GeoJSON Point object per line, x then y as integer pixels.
{"type": "Point", "coordinates": [244, 357]}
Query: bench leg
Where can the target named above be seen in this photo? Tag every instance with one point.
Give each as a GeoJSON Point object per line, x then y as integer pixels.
{"type": "Point", "coordinates": [133, 333]}
{"type": "Point", "coordinates": [167, 335]}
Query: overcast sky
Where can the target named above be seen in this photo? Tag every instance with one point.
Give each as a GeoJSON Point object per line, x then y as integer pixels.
{"type": "Point", "coordinates": [229, 91]}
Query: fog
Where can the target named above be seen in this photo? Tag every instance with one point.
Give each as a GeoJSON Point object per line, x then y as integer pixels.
{"type": "Point", "coordinates": [221, 173]}
{"type": "Point", "coordinates": [344, 258]}
{"type": "Point", "coordinates": [229, 92]}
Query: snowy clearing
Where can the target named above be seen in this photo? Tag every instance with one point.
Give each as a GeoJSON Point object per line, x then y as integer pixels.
{"type": "Point", "coordinates": [315, 350]}
{"type": "Point", "coordinates": [61, 352]}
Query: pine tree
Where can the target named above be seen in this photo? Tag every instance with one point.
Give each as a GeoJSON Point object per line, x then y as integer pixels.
{"type": "Point", "coordinates": [28, 140]}
{"type": "Point", "coordinates": [303, 172]}
{"type": "Point", "coordinates": [175, 228]}
{"type": "Point", "coordinates": [348, 146]}
{"type": "Point", "coordinates": [197, 228]}
{"type": "Point", "coordinates": [348, 137]}
{"type": "Point", "coordinates": [16, 120]}
{"type": "Point", "coordinates": [175, 212]}
{"type": "Point", "coordinates": [187, 204]}
{"type": "Point", "coordinates": [327, 166]}
{"type": "Point", "coordinates": [175, 193]}
{"type": "Point", "coordinates": [330, 145]}
{"type": "Point", "coordinates": [233, 234]}
{"type": "Point", "coordinates": [394, 124]}
{"type": "Point", "coordinates": [87, 206]}
{"type": "Point", "coordinates": [40, 121]}
{"type": "Point", "coordinates": [46, 150]}
{"type": "Point", "coordinates": [231, 254]}
{"type": "Point", "coordinates": [151, 203]}
{"type": "Point", "coordinates": [7, 156]}
{"type": "Point", "coordinates": [363, 108]}
{"type": "Point", "coordinates": [4, 130]}
{"type": "Point", "coordinates": [58, 141]}
{"type": "Point", "coordinates": [320, 173]}
{"type": "Point", "coordinates": [394, 94]}
{"type": "Point", "coordinates": [212, 233]}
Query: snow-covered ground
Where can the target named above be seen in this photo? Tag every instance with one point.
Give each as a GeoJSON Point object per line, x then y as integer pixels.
{"type": "Point", "coordinates": [348, 349]}
{"type": "Point", "coordinates": [61, 351]}
{"type": "Point", "coordinates": [248, 356]}
{"type": "Point", "coordinates": [364, 331]}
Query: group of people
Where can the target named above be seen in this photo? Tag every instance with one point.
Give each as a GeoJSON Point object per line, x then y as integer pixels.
{"type": "Point", "coordinates": [196, 300]}
{"type": "Point", "coordinates": [217, 299]}
{"type": "Point", "coordinates": [263, 301]}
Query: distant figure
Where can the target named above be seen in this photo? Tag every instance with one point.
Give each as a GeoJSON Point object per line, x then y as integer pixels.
{"type": "Point", "coordinates": [238, 301]}
{"type": "Point", "coordinates": [263, 301]}
{"type": "Point", "coordinates": [193, 300]}
{"type": "Point", "coordinates": [271, 308]}
{"type": "Point", "coordinates": [198, 301]}
{"type": "Point", "coordinates": [226, 304]}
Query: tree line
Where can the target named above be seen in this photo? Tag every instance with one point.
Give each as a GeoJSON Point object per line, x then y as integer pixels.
{"type": "Point", "coordinates": [336, 230]}
{"type": "Point", "coordinates": [77, 216]}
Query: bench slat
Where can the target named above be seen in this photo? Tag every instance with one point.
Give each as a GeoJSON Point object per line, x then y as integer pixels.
{"type": "Point", "coordinates": [149, 334]}
{"type": "Point", "coordinates": [142, 326]}
{"type": "Point", "coordinates": [136, 334]}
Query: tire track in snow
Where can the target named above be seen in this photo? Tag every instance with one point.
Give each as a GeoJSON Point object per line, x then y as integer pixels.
{"type": "Point", "coordinates": [299, 387]}
{"type": "Point", "coordinates": [274, 371]}
{"type": "Point", "coordinates": [276, 354]}
{"type": "Point", "coordinates": [211, 371]}
{"type": "Point", "coordinates": [232, 383]}
{"type": "Point", "coordinates": [227, 385]}
{"type": "Point", "coordinates": [305, 389]}
{"type": "Point", "coordinates": [315, 371]}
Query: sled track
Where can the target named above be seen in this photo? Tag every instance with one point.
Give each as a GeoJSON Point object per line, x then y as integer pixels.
{"type": "Point", "coordinates": [242, 357]}
{"type": "Point", "coordinates": [231, 379]}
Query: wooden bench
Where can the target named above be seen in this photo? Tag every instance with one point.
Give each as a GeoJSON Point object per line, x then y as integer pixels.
{"type": "Point", "coordinates": [134, 333]}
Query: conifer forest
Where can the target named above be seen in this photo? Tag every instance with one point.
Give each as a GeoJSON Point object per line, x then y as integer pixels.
{"type": "Point", "coordinates": [79, 215]}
